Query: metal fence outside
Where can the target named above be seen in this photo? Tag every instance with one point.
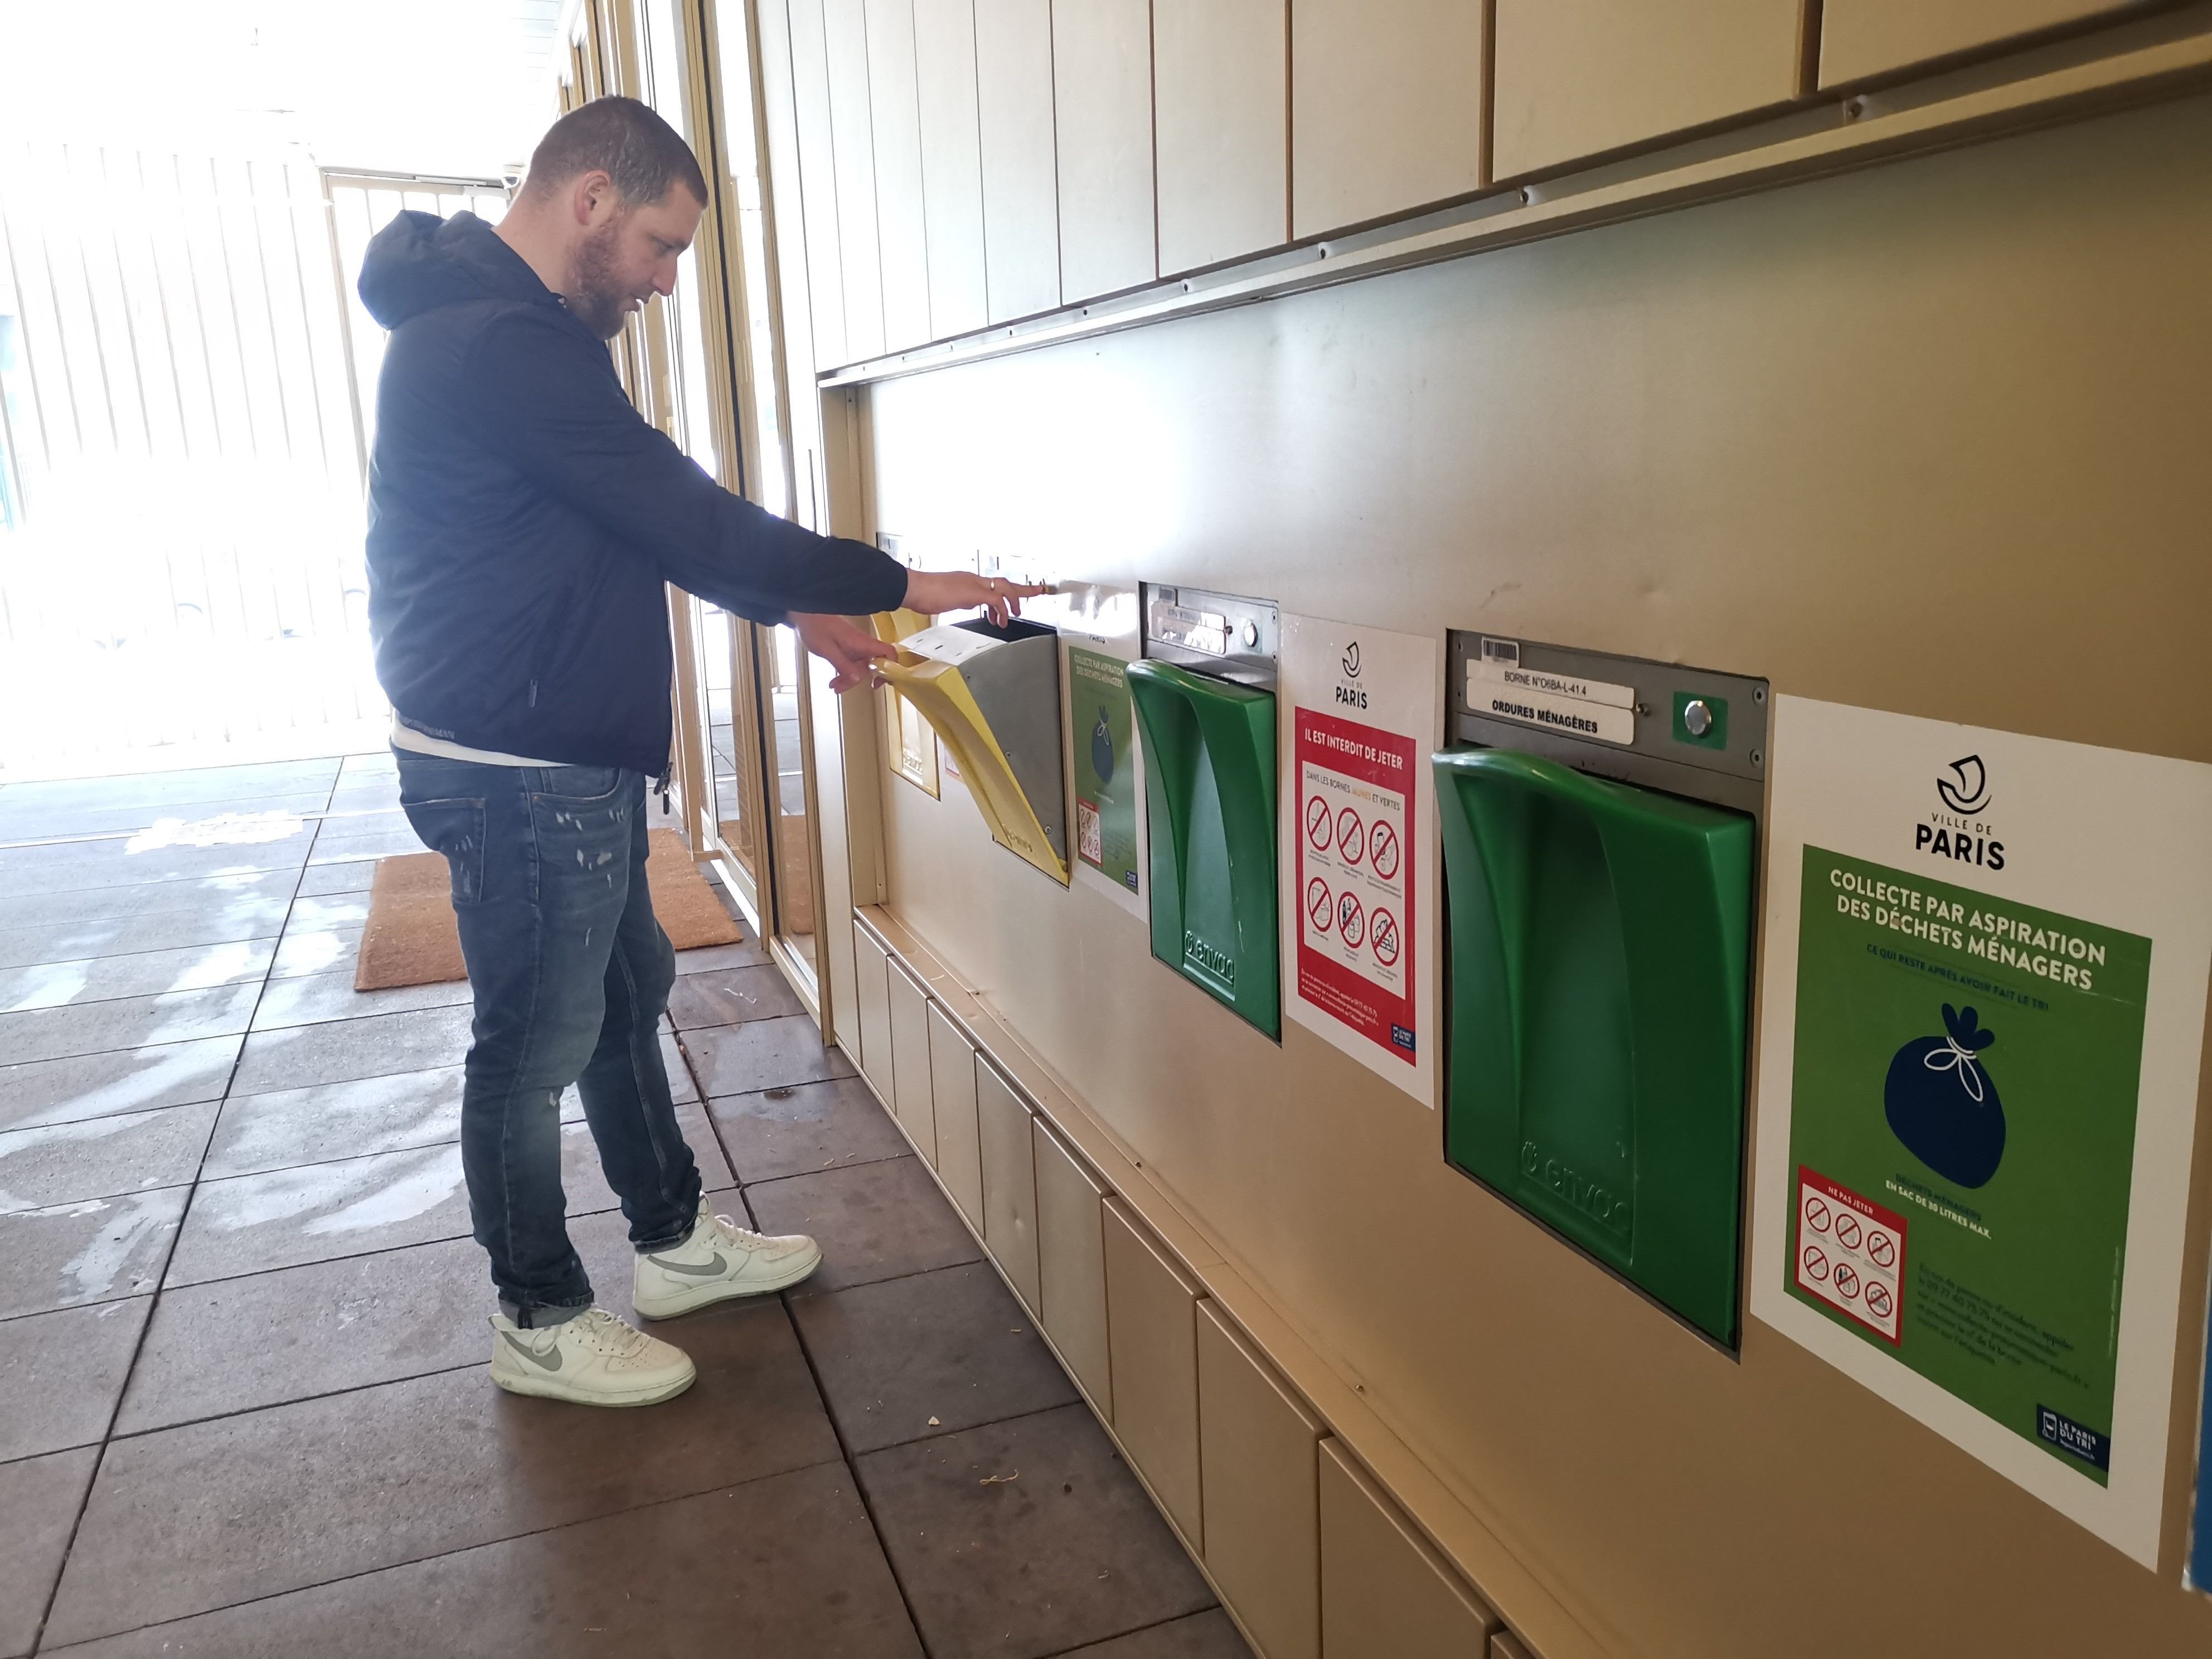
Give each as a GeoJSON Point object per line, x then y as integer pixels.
{"type": "Point", "coordinates": [186, 377]}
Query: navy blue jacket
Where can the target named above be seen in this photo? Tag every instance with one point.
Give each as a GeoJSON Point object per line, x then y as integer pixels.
{"type": "Point", "coordinates": [523, 516]}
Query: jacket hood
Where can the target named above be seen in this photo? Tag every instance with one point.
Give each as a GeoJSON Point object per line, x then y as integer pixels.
{"type": "Point", "coordinates": [420, 262]}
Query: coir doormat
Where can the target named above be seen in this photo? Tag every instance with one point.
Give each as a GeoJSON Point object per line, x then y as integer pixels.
{"type": "Point", "coordinates": [411, 937]}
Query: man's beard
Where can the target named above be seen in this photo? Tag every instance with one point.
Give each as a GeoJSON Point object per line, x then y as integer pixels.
{"type": "Point", "coordinates": [597, 302]}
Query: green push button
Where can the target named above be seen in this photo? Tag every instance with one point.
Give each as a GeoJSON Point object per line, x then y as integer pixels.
{"type": "Point", "coordinates": [1209, 751]}
{"type": "Point", "coordinates": [1600, 936]}
{"type": "Point", "coordinates": [1700, 720]}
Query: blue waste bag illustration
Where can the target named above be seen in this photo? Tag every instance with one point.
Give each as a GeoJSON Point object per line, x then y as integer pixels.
{"type": "Point", "coordinates": [1942, 1103]}
{"type": "Point", "coordinates": [1102, 749]}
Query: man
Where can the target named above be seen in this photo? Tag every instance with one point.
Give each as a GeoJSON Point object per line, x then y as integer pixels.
{"type": "Point", "coordinates": [523, 519]}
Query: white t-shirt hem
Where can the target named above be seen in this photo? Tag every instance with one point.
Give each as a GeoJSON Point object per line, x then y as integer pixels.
{"type": "Point", "coordinates": [405, 736]}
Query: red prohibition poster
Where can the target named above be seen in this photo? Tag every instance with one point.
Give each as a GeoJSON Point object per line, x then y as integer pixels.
{"type": "Point", "coordinates": [1355, 788]}
{"type": "Point", "coordinates": [1359, 875]}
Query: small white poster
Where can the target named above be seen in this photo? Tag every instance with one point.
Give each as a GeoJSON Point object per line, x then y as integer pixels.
{"type": "Point", "coordinates": [1360, 715]}
{"type": "Point", "coordinates": [1982, 1019]}
{"type": "Point", "coordinates": [1098, 636]}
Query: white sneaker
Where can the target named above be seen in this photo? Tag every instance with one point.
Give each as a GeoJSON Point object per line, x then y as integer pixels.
{"type": "Point", "coordinates": [721, 1259]}
{"type": "Point", "coordinates": [593, 1359]}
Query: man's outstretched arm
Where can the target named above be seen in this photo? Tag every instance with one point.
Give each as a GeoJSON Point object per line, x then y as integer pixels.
{"type": "Point", "coordinates": [547, 403]}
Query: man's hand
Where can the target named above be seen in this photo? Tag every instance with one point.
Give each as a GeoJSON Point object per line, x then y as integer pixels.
{"type": "Point", "coordinates": [934, 591]}
{"type": "Point", "coordinates": [850, 650]}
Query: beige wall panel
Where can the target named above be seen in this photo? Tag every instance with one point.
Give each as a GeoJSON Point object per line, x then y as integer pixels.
{"type": "Point", "coordinates": [1262, 1503]}
{"type": "Point", "coordinates": [1384, 1592]}
{"type": "Point", "coordinates": [872, 971]}
{"type": "Point", "coordinates": [1013, 98]}
{"type": "Point", "coordinates": [1009, 1160]}
{"type": "Point", "coordinates": [1860, 38]}
{"type": "Point", "coordinates": [952, 1097]}
{"type": "Point", "coordinates": [1152, 1329]}
{"type": "Point", "coordinates": [913, 1096]}
{"type": "Point", "coordinates": [896, 125]}
{"type": "Point", "coordinates": [1221, 124]}
{"type": "Point", "coordinates": [1385, 107]}
{"type": "Point", "coordinates": [1072, 1264]}
{"type": "Point", "coordinates": [1101, 72]}
{"type": "Point", "coordinates": [817, 175]}
{"type": "Point", "coordinates": [852, 128]}
{"type": "Point", "coordinates": [1578, 78]}
{"type": "Point", "coordinates": [1898, 438]}
{"type": "Point", "coordinates": [951, 163]}
{"type": "Point", "coordinates": [1506, 1645]}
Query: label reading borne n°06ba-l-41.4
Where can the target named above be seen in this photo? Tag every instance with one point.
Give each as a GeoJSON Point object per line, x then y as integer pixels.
{"type": "Point", "coordinates": [1554, 702]}
{"type": "Point", "coordinates": [1962, 1138]}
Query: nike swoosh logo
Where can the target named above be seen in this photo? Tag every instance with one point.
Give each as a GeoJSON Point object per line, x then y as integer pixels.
{"type": "Point", "coordinates": [712, 1270]}
{"type": "Point", "coordinates": [544, 1362]}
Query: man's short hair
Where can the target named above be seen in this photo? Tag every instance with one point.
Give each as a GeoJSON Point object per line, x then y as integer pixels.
{"type": "Point", "coordinates": [622, 138]}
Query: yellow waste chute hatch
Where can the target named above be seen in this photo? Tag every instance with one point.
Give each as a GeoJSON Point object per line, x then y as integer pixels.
{"type": "Point", "coordinates": [992, 694]}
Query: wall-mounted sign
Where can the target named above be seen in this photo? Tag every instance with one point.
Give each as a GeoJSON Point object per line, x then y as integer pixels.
{"type": "Point", "coordinates": [1983, 1021]}
{"type": "Point", "coordinates": [1098, 634]}
{"type": "Point", "coordinates": [1361, 716]}
{"type": "Point", "coordinates": [1102, 747]}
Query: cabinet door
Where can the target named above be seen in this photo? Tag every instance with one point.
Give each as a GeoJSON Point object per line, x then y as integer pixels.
{"type": "Point", "coordinates": [1385, 1593]}
{"type": "Point", "coordinates": [912, 1093]}
{"type": "Point", "coordinates": [1071, 1265]}
{"type": "Point", "coordinates": [1009, 1155]}
{"type": "Point", "coordinates": [1221, 124]}
{"type": "Point", "coordinates": [852, 123]}
{"type": "Point", "coordinates": [952, 164]}
{"type": "Point", "coordinates": [952, 1097]}
{"type": "Point", "coordinates": [875, 1000]}
{"type": "Point", "coordinates": [1013, 101]}
{"type": "Point", "coordinates": [1262, 1503]}
{"type": "Point", "coordinates": [897, 118]}
{"type": "Point", "coordinates": [1385, 107]}
{"type": "Point", "coordinates": [1152, 1331]}
{"type": "Point", "coordinates": [1576, 78]}
{"type": "Point", "coordinates": [1860, 38]}
{"type": "Point", "coordinates": [1101, 72]}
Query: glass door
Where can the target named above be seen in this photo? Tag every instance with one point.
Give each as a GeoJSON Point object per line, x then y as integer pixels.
{"type": "Point", "coordinates": [796, 882]}
{"type": "Point", "coordinates": [747, 758]}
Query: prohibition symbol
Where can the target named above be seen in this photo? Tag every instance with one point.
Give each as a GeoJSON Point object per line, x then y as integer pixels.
{"type": "Point", "coordinates": [1816, 1262]}
{"type": "Point", "coordinates": [1883, 1248]}
{"type": "Point", "coordinates": [1877, 1299]}
{"type": "Point", "coordinates": [1848, 1231]}
{"type": "Point", "coordinates": [1816, 1215]}
{"type": "Point", "coordinates": [1847, 1279]}
{"type": "Point", "coordinates": [1317, 823]}
{"type": "Point", "coordinates": [1319, 911]}
{"type": "Point", "coordinates": [1382, 849]}
{"type": "Point", "coordinates": [1351, 836]}
{"type": "Point", "coordinates": [1351, 921]}
{"type": "Point", "coordinates": [1384, 942]}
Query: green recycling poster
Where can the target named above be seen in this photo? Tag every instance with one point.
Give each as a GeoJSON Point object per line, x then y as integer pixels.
{"type": "Point", "coordinates": [1983, 968]}
{"type": "Point", "coordinates": [1100, 739]}
{"type": "Point", "coordinates": [1963, 1138]}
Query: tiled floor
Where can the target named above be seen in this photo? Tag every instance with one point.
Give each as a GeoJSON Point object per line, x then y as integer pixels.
{"type": "Point", "coordinates": [243, 1409]}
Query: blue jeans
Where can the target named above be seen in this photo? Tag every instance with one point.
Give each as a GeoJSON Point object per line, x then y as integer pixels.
{"type": "Point", "coordinates": [571, 973]}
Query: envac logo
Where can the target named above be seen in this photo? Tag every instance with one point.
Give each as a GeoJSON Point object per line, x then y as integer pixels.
{"type": "Point", "coordinates": [1352, 696]}
{"type": "Point", "coordinates": [1967, 789]}
{"type": "Point", "coordinates": [1959, 833]}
